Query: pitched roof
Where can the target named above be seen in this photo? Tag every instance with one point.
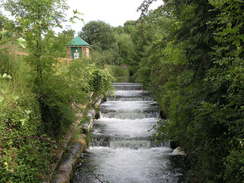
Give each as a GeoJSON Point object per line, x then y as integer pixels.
{"type": "Point", "coordinates": [77, 41]}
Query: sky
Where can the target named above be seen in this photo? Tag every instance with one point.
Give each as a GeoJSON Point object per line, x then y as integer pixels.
{"type": "Point", "coordinates": [113, 12]}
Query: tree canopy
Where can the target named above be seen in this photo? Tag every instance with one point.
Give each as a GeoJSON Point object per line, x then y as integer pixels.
{"type": "Point", "coordinates": [98, 34]}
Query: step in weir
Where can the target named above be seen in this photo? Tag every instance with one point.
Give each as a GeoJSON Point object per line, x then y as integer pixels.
{"type": "Point", "coordinates": [123, 149]}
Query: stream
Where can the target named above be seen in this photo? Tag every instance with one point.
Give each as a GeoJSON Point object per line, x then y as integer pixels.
{"type": "Point", "coordinates": [122, 148]}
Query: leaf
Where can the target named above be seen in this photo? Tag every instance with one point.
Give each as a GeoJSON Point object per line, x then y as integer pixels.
{"type": "Point", "coordinates": [1, 99]}
{"type": "Point", "coordinates": [21, 42]}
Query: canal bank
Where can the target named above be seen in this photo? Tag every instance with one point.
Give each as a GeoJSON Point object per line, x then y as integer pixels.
{"type": "Point", "coordinates": [77, 142]}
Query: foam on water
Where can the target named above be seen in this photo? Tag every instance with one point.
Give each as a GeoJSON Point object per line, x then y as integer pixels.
{"type": "Point", "coordinates": [122, 149]}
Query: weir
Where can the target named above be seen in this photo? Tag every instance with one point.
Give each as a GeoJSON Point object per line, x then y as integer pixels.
{"type": "Point", "coordinates": [122, 148]}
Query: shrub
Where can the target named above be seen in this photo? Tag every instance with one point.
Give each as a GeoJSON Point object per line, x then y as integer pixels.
{"type": "Point", "coordinates": [24, 151]}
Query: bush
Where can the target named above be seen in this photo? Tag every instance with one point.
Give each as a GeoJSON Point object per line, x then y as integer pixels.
{"type": "Point", "coordinates": [197, 78]}
{"type": "Point", "coordinates": [24, 151]}
{"type": "Point", "coordinates": [34, 115]}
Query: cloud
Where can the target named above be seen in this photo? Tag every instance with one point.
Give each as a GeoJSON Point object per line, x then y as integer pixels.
{"type": "Point", "coordinates": [113, 12]}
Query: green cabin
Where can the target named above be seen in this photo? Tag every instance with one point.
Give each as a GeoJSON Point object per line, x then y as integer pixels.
{"type": "Point", "coordinates": [78, 48]}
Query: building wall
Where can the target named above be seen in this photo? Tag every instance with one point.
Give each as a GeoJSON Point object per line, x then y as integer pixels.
{"type": "Point", "coordinates": [84, 51]}
{"type": "Point", "coordinates": [68, 52]}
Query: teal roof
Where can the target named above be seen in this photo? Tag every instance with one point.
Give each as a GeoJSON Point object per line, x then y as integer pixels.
{"type": "Point", "coordinates": [77, 41]}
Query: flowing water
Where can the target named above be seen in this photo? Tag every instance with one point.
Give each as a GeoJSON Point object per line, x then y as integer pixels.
{"type": "Point", "coordinates": [122, 149]}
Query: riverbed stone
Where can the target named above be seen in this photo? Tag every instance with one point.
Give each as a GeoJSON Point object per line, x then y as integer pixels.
{"type": "Point", "coordinates": [179, 152]}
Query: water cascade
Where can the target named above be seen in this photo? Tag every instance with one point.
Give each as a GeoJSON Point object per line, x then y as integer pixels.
{"type": "Point", "coordinates": [122, 148]}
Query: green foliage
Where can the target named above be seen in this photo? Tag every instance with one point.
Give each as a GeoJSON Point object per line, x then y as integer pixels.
{"type": "Point", "coordinates": [188, 53]}
{"type": "Point", "coordinates": [77, 83]}
{"type": "Point", "coordinates": [88, 80]}
{"type": "Point", "coordinates": [100, 82]}
{"type": "Point", "coordinates": [31, 121]}
{"type": "Point", "coordinates": [34, 20]}
{"type": "Point", "coordinates": [38, 95]}
{"type": "Point", "coordinates": [119, 73]}
{"type": "Point", "coordinates": [24, 151]}
{"type": "Point", "coordinates": [56, 44]}
{"type": "Point", "coordinates": [98, 34]}
{"type": "Point", "coordinates": [126, 50]}
{"type": "Point", "coordinates": [5, 24]}
{"type": "Point", "coordinates": [102, 58]}
{"type": "Point", "coordinates": [37, 16]}
{"type": "Point", "coordinates": [193, 64]}
{"type": "Point", "coordinates": [234, 165]}
{"type": "Point", "coordinates": [112, 46]}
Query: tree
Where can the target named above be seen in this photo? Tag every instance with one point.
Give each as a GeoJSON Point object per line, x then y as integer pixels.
{"type": "Point", "coordinates": [56, 44]}
{"type": "Point", "coordinates": [98, 34]}
{"type": "Point", "coordinates": [35, 18]}
{"type": "Point", "coordinates": [126, 50]}
{"type": "Point", "coordinates": [193, 65]}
